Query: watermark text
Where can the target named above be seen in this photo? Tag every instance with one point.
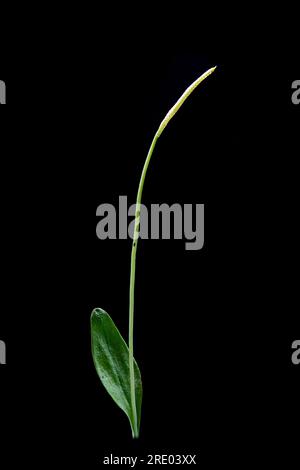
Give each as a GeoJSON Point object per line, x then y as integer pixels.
{"type": "Point", "coordinates": [296, 93]}
{"type": "Point", "coordinates": [2, 92]}
{"type": "Point", "coordinates": [296, 353]}
{"type": "Point", "coordinates": [180, 222]}
{"type": "Point", "coordinates": [2, 353]}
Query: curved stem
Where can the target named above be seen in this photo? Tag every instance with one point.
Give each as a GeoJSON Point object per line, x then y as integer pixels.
{"type": "Point", "coordinates": [161, 128]}
{"type": "Point", "coordinates": [132, 282]}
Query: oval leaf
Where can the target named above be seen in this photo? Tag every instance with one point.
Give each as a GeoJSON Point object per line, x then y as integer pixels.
{"type": "Point", "coordinates": [111, 359]}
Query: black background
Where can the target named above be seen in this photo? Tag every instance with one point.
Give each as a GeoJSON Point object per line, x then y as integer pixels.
{"type": "Point", "coordinates": [214, 327]}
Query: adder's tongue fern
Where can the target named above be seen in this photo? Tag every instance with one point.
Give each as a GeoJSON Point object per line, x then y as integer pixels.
{"type": "Point", "coordinates": [113, 365]}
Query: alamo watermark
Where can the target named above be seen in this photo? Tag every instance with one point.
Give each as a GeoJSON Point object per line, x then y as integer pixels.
{"type": "Point", "coordinates": [180, 222]}
{"type": "Point", "coordinates": [296, 94]}
{"type": "Point", "coordinates": [2, 92]}
{"type": "Point", "coordinates": [2, 353]}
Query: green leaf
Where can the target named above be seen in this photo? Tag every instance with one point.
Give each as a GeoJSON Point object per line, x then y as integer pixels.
{"type": "Point", "coordinates": [111, 359]}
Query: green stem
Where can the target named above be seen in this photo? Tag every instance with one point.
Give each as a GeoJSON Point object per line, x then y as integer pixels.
{"type": "Point", "coordinates": [132, 282]}
{"type": "Point", "coordinates": [161, 128]}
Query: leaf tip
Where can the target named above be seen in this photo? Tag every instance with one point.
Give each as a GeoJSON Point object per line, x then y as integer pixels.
{"type": "Point", "coordinates": [97, 312]}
